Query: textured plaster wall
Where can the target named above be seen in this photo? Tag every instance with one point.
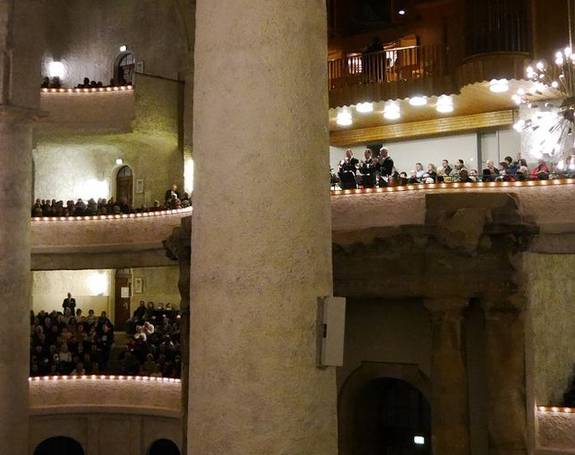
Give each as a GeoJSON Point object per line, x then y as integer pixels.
{"type": "Point", "coordinates": [550, 207]}
{"type": "Point", "coordinates": [73, 113]}
{"type": "Point", "coordinates": [88, 39]}
{"type": "Point", "coordinates": [160, 284]}
{"type": "Point", "coordinates": [555, 433]}
{"type": "Point", "coordinates": [92, 289]}
{"type": "Point", "coordinates": [386, 331]}
{"type": "Point", "coordinates": [85, 166]}
{"type": "Point", "coordinates": [551, 293]}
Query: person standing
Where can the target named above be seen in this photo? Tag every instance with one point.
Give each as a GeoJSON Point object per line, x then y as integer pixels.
{"type": "Point", "coordinates": [69, 302]}
{"type": "Point", "coordinates": [385, 167]}
{"type": "Point", "coordinates": [172, 193]}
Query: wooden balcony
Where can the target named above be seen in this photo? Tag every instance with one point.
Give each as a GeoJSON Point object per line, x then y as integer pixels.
{"type": "Point", "coordinates": [390, 74]}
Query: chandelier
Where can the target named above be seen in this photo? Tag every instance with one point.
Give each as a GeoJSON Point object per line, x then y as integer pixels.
{"type": "Point", "coordinates": [548, 107]}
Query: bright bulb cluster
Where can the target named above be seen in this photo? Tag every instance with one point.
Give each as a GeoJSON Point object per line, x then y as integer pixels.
{"type": "Point", "coordinates": [444, 104]}
{"type": "Point", "coordinates": [392, 111]}
{"type": "Point", "coordinates": [499, 85]}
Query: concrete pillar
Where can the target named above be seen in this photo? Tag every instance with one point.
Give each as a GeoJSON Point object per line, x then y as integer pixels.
{"type": "Point", "coordinates": [449, 406]}
{"type": "Point", "coordinates": [261, 237]}
{"type": "Point", "coordinates": [15, 282]}
{"type": "Point", "coordinates": [507, 408]}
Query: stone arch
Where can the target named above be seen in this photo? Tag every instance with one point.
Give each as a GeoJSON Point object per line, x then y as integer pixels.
{"type": "Point", "coordinates": [60, 445]}
{"type": "Point", "coordinates": [164, 447]}
{"type": "Point", "coordinates": [355, 385]}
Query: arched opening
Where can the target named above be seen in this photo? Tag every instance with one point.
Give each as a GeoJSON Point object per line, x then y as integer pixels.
{"type": "Point", "coordinates": [60, 445]}
{"type": "Point", "coordinates": [164, 447]}
{"type": "Point", "coordinates": [391, 418]}
{"type": "Point", "coordinates": [125, 68]}
{"type": "Point", "coordinates": [124, 185]}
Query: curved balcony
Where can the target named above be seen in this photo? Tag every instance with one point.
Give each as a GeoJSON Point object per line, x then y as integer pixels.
{"type": "Point", "coordinates": [136, 240]}
{"type": "Point", "coordinates": [555, 430]}
{"type": "Point", "coordinates": [391, 74]}
{"type": "Point", "coordinates": [105, 414]}
{"type": "Point", "coordinates": [108, 241]}
{"type": "Point", "coordinates": [96, 110]}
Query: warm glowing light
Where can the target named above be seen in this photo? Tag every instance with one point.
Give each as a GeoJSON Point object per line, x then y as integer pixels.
{"type": "Point", "coordinates": [98, 283]}
{"type": "Point", "coordinates": [119, 161]}
{"type": "Point", "coordinates": [56, 69]}
{"type": "Point", "coordinates": [401, 12]}
{"type": "Point", "coordinates": [123, 48]}
{"type": "Point", "coordinates": [419, 440]}
{"type": "Point", "coordinates": [392, 111]}
{"type": "Point", "coordinates": [364, 108]}
{"type": "Point", "coordinates": [344, 118]}
{"type": "Point", "coordinates": [499, 85]}
{"type": "Point", "coordinates": [519, 125]}
{"type": "Point", "coordinates": [555, 84]}
{"type": "Point", "coordinates": [444, 104]}
{"type": "Point", "coordinates": [418, 101]}
{"type": "Point", "coordinates": [540, 66]}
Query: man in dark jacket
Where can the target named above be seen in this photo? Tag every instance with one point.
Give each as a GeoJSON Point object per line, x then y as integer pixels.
{"type": "Point", "coordinates": [69, 302]}
{"type": "Point", "coordinates": [385, 166]}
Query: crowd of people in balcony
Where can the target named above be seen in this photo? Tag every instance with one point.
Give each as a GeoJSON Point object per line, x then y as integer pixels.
{"type": "Point", "coordinates": [154, 346]}
{"type": "Point", "coordinates": [94, 207]}
{"type": "Point", "coordinates": [378, 170]}
{"type": "Point", "coordinates": [56, 82]}
{"type": "Point", "coordinates": [67, 342]}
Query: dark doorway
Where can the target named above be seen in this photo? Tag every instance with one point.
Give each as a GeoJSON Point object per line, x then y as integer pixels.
{"type": "Point", "coordinates": [59, 445]}
{"type": "Point", "coordinates": [125, 68]}
{"type": "Point", "coordinates": [124, 185]}
{"type": "Point", "coordinates": [392, 418]}
{"type": "Point", "coordinates": [164, 447]}
{"type": "Point", "coordinates": [122, 294]}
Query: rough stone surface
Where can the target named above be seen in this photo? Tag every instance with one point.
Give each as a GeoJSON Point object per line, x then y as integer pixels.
{"type": "Point", "coordinates": [449, 406]}
{"type": "Point", "coordinates": [15, 280]}
{"type": "Point", "coordinates": [261, 235]}
{"type": "Point", "coordinates": [551, 293]}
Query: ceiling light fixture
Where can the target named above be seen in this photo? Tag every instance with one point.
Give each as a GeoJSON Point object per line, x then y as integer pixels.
{"type": "Point", "coordinates": [392, 111]}
{"type": "Point", "coordinates": [418, 101]}
{"type": "Point", "coordinates": [344, 118]}
{"type": "Point", "coordinates": [364, 108]}
{"type": "Point", "coordinates": [444, 104]}
{"type": "Point", "coordinates": [498, 85]}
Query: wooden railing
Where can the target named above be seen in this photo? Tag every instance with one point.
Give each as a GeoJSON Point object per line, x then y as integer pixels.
{"type": "Point", "coordinates": [390, 65]}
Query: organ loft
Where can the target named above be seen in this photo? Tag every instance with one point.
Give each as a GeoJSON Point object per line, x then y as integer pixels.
{"type": "Point", "coordinates": [287, 227]}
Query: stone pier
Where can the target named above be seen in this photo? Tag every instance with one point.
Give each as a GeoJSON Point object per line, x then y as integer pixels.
{"type": "Point", "coordinates": [261, 236]}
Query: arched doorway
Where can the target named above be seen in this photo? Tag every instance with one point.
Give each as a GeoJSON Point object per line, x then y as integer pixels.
{"type": "Point", "coordinates": [391, 418]}
{"type": "Point", "coordinates": [125, 68]}
{"type": "Point", "coordinates": [59, 445]}
{"type": "Point", "coordinates": [164, 447]}
{"type": "Point", "coordinates": [124, 185]}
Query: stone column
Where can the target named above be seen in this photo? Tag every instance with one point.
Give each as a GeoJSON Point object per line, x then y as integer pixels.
{"type": "Point", "coordinates": [15, 282]}
{"type": "Point", "coordinates": [261, 234]}
{"type": "Point", "coordinates": [505, 332]}
{"type": "Point", "coordinates": [449, 407]}
{"type": "Point", "coordinates": [178, 248]}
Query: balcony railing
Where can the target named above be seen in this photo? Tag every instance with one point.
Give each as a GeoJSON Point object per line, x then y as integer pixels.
{"type": "Point", "coordinates": [390, 65]}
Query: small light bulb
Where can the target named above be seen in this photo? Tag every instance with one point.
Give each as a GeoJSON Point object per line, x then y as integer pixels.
{"type": "Point", "coordinates": [401, 12]}
{"type": "Point", "coordinates": [123, 48]}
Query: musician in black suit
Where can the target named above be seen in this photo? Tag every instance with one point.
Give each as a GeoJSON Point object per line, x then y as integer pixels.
{"type": "Point", "coordinates": [368, 169]}
{"type": "Point", "coordinates": [385, 166]}
{"type": "Point", "coordinates": [70, 302]}
{"type": "Point", "coordinates": [347, 169]}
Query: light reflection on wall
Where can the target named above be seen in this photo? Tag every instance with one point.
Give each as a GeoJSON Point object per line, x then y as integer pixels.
{"type": "Point", "coordinates": [92, 189]}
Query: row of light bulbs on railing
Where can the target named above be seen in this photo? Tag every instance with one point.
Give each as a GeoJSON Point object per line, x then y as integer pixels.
{"type": "Point", "coordinates": [392, 109]}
